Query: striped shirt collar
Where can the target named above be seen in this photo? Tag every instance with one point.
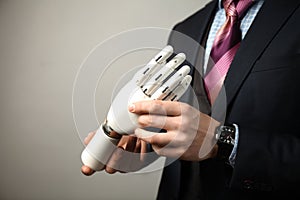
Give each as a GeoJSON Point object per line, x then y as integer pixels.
{"type": "Point", "coordinates": [220, 4]}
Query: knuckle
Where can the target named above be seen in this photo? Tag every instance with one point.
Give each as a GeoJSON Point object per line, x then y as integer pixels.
{"type": "Point", "coordinates": [110, 170]}
{"type": "Point", "coordinates": [145, 120]}
{"type": "Point", "coordinates": [151, 141]}
{"type": "Point", "coordinates": [156, 106]}
{"type": "Point", "coordinates": [177, 124]}
{"type": "Point", "coordinates": [141, 121]}
{"type": "Point", "coordinates": [186, 108]}
{"type": "Point", "coordinates": [159, 151]}
{"type": "Point", "coordinates": [185, 123]}
{"type": "Point", "coordinates": [181, 123]}
{"type": "Point", "coordinates": [154, 140]}
{"type": "Point", "coordinates": [181, 140]}
{"type": "Point", "coordinates": [158, 102]}
{"type": "Point", "coordinates": [149, 120]}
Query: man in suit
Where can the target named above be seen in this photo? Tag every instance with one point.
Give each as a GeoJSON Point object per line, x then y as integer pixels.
{"type": "Point", "coordinates": [261, 103]}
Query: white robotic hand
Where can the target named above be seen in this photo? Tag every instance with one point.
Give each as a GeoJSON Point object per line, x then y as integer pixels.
{"type": "Point", "coordinates": [160, 80]}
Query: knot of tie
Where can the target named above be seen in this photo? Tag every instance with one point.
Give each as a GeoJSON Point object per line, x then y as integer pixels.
{"type": "Point", "coordinates": [229, 6]}
{"type": "Point", "coordinates": [236, 8]}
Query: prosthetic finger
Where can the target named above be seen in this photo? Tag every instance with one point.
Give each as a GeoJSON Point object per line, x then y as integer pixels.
{"type": "Point", "coordinates": [171, 83]}
{"type": "Point", "coordinates": [157, 80]}
{"type": "Point", "coordinates": [154, 65]}
{"type": "Point", "coordinates": [179, 90]}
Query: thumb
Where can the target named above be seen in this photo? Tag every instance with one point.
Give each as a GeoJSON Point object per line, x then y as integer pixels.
{"type": "Point", "coordinates": [144, 135]}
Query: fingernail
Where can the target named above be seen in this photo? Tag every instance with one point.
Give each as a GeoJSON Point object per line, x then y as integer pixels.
{"type": "Point", "coordinates": [131, 107]}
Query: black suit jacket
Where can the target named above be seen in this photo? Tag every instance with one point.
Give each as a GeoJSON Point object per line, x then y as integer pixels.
{"type": "Point", "coordinates": [262, 97]}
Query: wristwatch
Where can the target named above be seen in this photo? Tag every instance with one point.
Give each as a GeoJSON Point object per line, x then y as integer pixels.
{"type": "Point", "coordinates": [225, 136]}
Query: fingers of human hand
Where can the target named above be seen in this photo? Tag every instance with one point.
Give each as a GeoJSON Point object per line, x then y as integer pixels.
{"type": "Point", "coordinates": [131, 144]}
{"type": "Point", "coordinates": [172, 152]}
{"type": "Point", "coordinates": [171, 108]}
{"type": "Point", "coordinates": [127, 142]}
{"type": "Point", "coordinates": [154, 138]}
{"type": "Point", "coordinates": [89, 137]}
{"type": "Point", "coordinates": [124, 161]}
{"type": "Point", "coordinates": [143, 150]}
{"type": "Point", "coordinates": [138, 146]}
{"type": "Point", "coordinates": [87, 171]}
{"type": "Point", "coordinates": [110, 170]}
{"type": "Point", "coordinates": [113, 164]}
{"type": "Point", "coordinates": [159, 121]}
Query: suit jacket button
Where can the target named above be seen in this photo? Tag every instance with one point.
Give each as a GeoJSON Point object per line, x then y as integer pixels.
{"type": "Point", "coordinates": [248, 184]}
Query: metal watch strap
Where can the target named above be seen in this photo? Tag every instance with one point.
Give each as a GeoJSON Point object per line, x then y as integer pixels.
{"type": "Point", "coordinates": [225, 136]}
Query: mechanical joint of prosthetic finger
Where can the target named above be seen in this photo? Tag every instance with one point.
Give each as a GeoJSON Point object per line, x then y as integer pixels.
{"type": "Point", "coordinates": [160, 79]}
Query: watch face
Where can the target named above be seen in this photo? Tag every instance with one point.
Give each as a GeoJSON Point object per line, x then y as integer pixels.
{"type": "Point", "coordinates": [226, 138]}
{"type": "Point", "coordinates": [226, 134]}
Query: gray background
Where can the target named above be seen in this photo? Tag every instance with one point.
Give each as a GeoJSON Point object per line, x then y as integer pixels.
{"type": "Point", "coordinates": [42, 44]}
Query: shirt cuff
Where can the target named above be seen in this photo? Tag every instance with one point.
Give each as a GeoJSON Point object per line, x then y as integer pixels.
{"type": "Point", "coordinates": [234, 150]}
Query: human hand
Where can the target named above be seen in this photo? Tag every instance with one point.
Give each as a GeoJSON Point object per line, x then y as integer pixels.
{"type": "Point", "coordinates": [159, 79]}
{"type": "Point", "coordinates": [189, 135]}
{"type": "Point", "coordinates": [122, 160]}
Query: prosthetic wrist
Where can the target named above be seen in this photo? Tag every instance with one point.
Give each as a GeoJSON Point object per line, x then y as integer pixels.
{"type": "Point", "coordinates": [159, 80]}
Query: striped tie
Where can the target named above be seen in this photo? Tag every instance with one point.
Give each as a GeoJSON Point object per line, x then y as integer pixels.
{"type": "Point", "coordinates": [225, 45]}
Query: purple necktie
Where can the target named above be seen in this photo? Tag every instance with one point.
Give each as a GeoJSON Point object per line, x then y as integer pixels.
{"type": "Point", "coordinates": [225, 45]}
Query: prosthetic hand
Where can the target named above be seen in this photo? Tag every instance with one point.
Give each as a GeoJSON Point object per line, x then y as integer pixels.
{"type": "Point", "coordinates": [159, 80]}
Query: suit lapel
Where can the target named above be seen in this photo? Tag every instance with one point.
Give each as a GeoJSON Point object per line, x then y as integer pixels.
{"type": "Point", "coordinates": [271, 17]}
{"type": "Point", "coordinates": [198, 62]}
{"type": "Point", "coordinates": [189, 37]}
{"type": "Point", "coordinates": [202, 23]}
